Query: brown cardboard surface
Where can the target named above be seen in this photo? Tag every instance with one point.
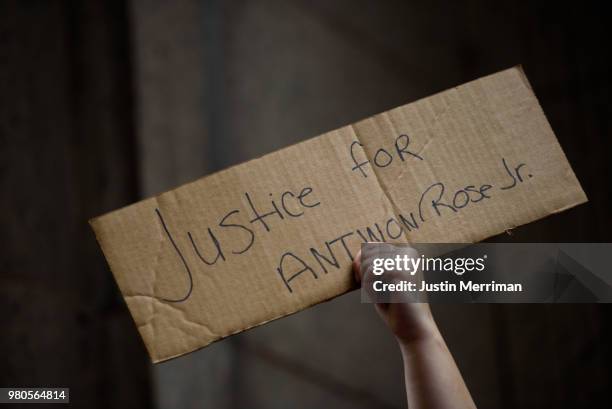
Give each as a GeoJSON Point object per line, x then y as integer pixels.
{"type": "Point", "coordinates": [275, 235]}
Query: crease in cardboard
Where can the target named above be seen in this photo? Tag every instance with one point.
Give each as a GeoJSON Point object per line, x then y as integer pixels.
{"type": "Point", "coordinates": [394, 208]}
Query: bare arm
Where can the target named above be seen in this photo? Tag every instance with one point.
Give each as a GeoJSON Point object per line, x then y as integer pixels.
{"type": "Point", "coordinates": [431, 375]}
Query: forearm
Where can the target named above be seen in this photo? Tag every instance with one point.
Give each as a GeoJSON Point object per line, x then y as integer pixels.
{"type": "Point", "coordinates": [432, 377]}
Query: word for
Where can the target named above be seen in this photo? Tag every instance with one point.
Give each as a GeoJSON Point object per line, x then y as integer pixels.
{"type": "Point", "coordinates": [383, 158]}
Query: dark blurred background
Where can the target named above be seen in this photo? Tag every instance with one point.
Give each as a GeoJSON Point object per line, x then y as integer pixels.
{"type": "Point", "coordinates": [104, 103]}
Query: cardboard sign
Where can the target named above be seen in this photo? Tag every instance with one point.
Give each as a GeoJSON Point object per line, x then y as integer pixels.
{"type": "Point", "coordinates": [275, 235]}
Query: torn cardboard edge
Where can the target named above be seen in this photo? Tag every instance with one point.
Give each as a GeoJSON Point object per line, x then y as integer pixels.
{"type": "Point", "coordinates": [337, 182]}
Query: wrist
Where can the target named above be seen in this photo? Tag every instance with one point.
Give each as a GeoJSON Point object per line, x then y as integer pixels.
{"type": "Point", "coordinates": [426, 331]}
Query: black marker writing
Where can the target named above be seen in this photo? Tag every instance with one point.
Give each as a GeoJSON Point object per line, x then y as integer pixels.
{"type": "Point", "coordinates": [220, 242]}
{"type": "Point", "coordinates": [435, 199]}
{"type": "Point", "coordinates": [330, 258]}
{"type": "Point", "coordinates": [217, 245]}
{"type": "Point", "coordinates": [189, 276]}
{"type": "Point", "coordinates": [401, 146]}
{"type": "Point", "coordinates": [304, 267]}
{"type": "Point", "coordinates": [249, 232]}
{"type": "Point", "coordinates": [383, 157]}
{"type": "Point", "coordinates": [515, 174]}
